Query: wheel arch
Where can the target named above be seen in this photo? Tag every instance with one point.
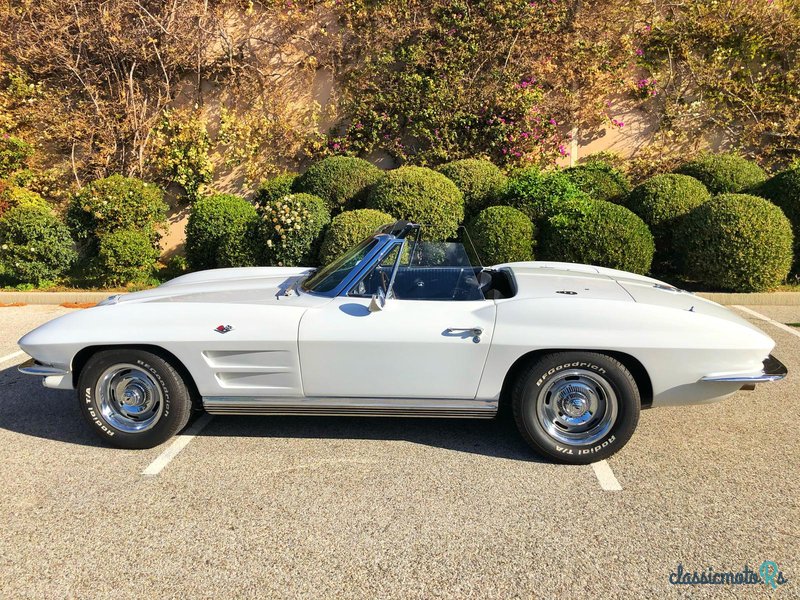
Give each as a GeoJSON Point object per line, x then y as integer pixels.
{"type": "Point", "coordinates": [80, 360]}
{"type": "Point", "coordinates": [636, 368]}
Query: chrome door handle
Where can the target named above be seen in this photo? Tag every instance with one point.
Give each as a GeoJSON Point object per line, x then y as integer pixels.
{"type": "Point", "coordinates": [475, 331]}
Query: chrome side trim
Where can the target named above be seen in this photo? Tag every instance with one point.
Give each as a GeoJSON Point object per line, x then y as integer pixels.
{"type": "Point", "coordinates": [362, 407]}
{"type": "Point", "coordinates": [31, 367]}
{"type": "Point", "coordinates": [774, 370]}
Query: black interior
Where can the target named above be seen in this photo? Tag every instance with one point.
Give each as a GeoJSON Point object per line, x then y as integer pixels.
{"type": "Point", "coordinates": [439, 283]}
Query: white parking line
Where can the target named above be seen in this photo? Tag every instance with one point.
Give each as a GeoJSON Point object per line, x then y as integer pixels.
{"type": "Point", "coordinates": [606, 476]}
{"type": "Point", "coordinates": [758, 315]}
{"type": "Point", "coordinates": [8, 357]}
{"type": "Point", "coordinates": [155, 467]}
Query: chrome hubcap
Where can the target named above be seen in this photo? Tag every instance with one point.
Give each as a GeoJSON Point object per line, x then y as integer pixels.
{"type": "Point", "coordinates": [577, 407]}
{"type": "Point", "coordinates": [130, 398]}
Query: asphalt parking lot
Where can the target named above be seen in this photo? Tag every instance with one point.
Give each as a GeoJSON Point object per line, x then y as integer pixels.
{"type": "Point", "coordinates": [336, 507]}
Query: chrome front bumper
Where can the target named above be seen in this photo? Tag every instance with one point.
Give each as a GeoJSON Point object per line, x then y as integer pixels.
{"type": "Point", "coordinates": [31, 367]}
{"type": "Point", "coordinates": [774, 370]}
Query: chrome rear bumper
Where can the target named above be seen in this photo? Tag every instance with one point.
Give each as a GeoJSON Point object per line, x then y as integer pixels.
{"type": "Point", "coordinates": [774, 370]}
{"type": "Point", "coordinates": [31, 367]}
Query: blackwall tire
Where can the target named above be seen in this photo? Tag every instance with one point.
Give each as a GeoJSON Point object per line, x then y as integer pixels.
{"type": "Point", "coordinates": [132, 398]}
{"type": "Point", "coordinates": [576, 407]}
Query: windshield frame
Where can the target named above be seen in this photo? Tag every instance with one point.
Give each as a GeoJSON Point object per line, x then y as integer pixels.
{"type": "Point", "coordinates": [384, 241]}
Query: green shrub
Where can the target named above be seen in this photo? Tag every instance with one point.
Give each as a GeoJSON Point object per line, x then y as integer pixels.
{"type": "Point", "coordinates": [598, 233]}
{"type": "Point", "coordinates": [662, 202]}
{"type": "Point", "coordinates": [221, 232]}
{"type": "Point", "coordinates": [274, 188]}
{"type": "Point", "coordinates": [180, 151]}
{"type": "Point", "coordinates": [420, 195]}
{"type": "Point", "coordinates": [783, 190]}
{"type": "Point", "coordinates": [35, 246]}
{"type": "Point", "coordinates": [14, 154]}
{"type": "Point", "coordinates": [599, 180]}
{"type": "Point", "coordinates": [12, 196]}
{"type": "Point", "coordinates": [291, 230]}
{"type": "Point", "coordinates": [724, 173]}
{"type": "Point", "coordinates": [501, 234]}
{"type": "Point", "coordinates": [114, 203]}
{"type": "Point", "coordinates": [481, 182]}
{"type": "Point", "coordinates": [736, 242]}
{"type": "Point", "coordinates": [349, 228]}
{"type": "Point", "coordinates": [125, 256]}
{"type": "Point", "coordinates": [341, 181]}
{"type": "Point", "coordinates": [540, 194]}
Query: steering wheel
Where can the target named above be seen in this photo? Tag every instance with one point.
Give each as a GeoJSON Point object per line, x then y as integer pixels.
{"type": "Point", "coordinates": [384, 281]}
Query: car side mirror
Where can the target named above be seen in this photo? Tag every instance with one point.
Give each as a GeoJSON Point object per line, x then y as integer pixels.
{"type": "Point", "coordinates": [378, 301]}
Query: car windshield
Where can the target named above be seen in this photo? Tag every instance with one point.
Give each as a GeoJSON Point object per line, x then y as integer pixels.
{"type": "Point", "coordinates": [330, 276]}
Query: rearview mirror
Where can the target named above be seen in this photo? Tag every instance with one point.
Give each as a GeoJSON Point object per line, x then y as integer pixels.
{"type": "Point", "coordinates": [378, 301]}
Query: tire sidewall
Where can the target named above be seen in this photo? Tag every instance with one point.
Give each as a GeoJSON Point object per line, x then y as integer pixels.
{"type": "Point", "coordinates": [172, 389]}
{"type": "Point", "coordinates": [628, 403]}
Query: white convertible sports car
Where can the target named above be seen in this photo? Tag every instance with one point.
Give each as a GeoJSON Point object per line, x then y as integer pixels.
{"type": "Point", "coordinates": [401, 327]}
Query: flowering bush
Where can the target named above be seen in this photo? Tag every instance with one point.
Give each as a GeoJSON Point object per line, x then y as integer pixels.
{"type": "Point", "coordinates": [114, 203]}
{"type": "Point", "coordinates": [291, 229]}
{"type": "Point", "coordinates": [421, 195]}
{"type": "Point", "coordinates": [481, 182]}
{"type": "Point", "coordinates": [339, 180]}
{"type": "Point", "coordinates": [736, 242]}
{"type": "Point", "coordinates": [125, 256]}
{"type": "Point", "coordinates": [35, 246]}
{"type": "Point", "coordinates": [275, 188]}
{"type": "Point", "coordinates": [221, 232]}
{"type": "Point", "coordinates": [180, 154]}
{"type": "Point", "coordinates": [501, 234]}
{"type": "Point", "coordinates": [348, 228]}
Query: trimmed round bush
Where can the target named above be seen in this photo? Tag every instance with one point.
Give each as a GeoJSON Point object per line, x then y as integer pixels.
{"type": "Point", "coordinates": [501, 234]}
{"type": "Point", "coordinates": [221, 232]}
{"type": "Point", "coordinates": [598, 233]}
{"type": "Point", "coordinates": [599, 180]}
{"type": "Point", "coordinates": [540, 194]}
{"type": "Point", "coordinates": [12, 196]}
{"type": "Point", "coordinates": [783, 190]}
{"type": "Point", "coordinates": [662, 202]}
{"type": "Point", "coordinates": [274, 188]}
{"type": "Point", "coordinates": [115, 203]}
{"type": "Point", "coordinates": [736, 242]}
{"type": "Point", "coordinates": [347, 229]}
{"type": "Point", "coordinates": [341, 181]}
{"type": "Point", "coordinates": [291, 230]}
{"type": "Point", "coordinates": [125, 256]}
{"type": "Point", "coordinates": [423, 196]}
{"type": "Point", "coordinates": [481, 182]}
{"type": "Point", "coordinates": [35, 246]}
{"type": "Point", "coordinates": [724, 173]}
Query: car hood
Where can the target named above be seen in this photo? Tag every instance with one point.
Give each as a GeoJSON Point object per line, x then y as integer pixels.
{"type": "Point", "coordinates": [545, 279]}
{"type": "Point", "coordinates": [247, 285]}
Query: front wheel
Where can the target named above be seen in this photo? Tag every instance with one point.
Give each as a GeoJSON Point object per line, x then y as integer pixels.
{"type": "Point", "coordinates": [133, 398]}
{"type": "Point", "coordinates": [576, 407]}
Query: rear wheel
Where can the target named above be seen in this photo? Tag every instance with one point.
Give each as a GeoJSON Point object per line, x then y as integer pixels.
{"type": "Point", "coordinates": [133, 398]}
{"type": "Point", "coordinates": [576, 407]}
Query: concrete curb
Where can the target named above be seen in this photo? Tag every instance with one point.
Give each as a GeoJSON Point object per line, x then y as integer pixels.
{"type": "Point", "coordinates": [760, 299]}
{"type": "Point", "coordinates": [52, 297]}
{"type": "Point", "coordinates": [757, 299]}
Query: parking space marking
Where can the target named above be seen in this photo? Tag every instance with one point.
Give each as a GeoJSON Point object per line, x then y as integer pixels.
{"type": "Point", "coordinates": [181, 441]}
{"type": "Point", "coordinates": [777, 324]}
{"type": "Point", "coordinates": [8, 357]}
{"type": "Point", "coordinates": [606, 476]}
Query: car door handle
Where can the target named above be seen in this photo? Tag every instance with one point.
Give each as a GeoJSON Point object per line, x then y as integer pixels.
{"type": "Point", "coordinates": [476, 331]}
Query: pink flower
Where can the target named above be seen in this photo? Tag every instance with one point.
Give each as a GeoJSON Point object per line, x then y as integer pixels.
{"type": "Point", "coordinates": [562, 149]}
{"type": "Point", "coordinates": [639, 52]}
{"type": "Point", "coordinates": [336, 145]}
{"type": "Point", "coordinates": [553, 122]}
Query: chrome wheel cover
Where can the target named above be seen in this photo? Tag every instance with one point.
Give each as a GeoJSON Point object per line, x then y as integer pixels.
{"type": "Point", "coordinates": [130, 398]}
{"type": "Point", "coordinates": [577, 407]}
